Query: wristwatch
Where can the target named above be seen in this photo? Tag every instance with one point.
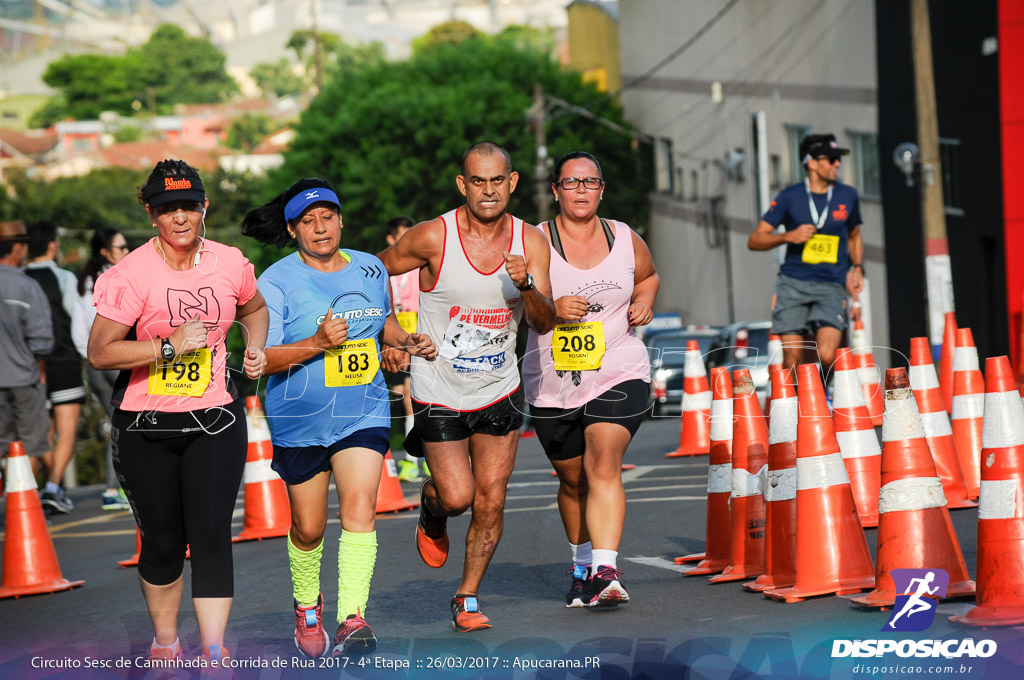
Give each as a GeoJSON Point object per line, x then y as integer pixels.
{"type": "Point", "coordinates": [529, 283]}
{"type": "Point", "coordinates": [166, 349]}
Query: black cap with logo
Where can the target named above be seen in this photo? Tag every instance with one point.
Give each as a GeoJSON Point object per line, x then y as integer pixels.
{"type": "Point", "coordinates": [813, 146]}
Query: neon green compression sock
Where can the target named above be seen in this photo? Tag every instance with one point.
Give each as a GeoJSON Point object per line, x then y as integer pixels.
{"type": "Point", "coordinates": [357, 555]}
{"type": "Point", "coordinates": [305, 568]}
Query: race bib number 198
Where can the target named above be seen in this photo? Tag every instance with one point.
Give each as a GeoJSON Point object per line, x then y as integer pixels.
{"type": "Point", "coordinates": [187, 375]}
{"type": "Point", "coordinates": [356, 362]}
{"type": "Point", "coordinates": [578, 346]}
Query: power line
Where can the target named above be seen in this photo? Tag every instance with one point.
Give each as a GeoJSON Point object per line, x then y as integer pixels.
{"type": "Point", "coordinates": [679, 50]}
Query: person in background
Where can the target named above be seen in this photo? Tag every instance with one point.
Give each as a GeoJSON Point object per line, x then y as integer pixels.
{"type": "Point", "coordinates": [179, 431]}
{"type": "Point", "coordinates": [405, 293]}
{"type": "Point", "coordinates": [107, 247]}
{"type": "Point", "coordinates": [65, 388]}
{"type": "Point", "coordinates": [587, 381]}
{"type": "Point", "coordinates": [824, 254]}
{"type": "Point", "coordinates": [26, 335]}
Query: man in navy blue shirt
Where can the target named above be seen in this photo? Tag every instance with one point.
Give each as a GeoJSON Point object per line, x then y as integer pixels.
{"type": "Point", "coordinates": [824, 253]}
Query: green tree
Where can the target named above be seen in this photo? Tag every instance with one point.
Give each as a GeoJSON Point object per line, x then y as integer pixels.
{"type": "Point", "coordinates": [391, 135]}
{"type": "Point", "coordinates": [277, 78]}
{"type": "Point", "coordinates": [246, 131]}
{"type": "Point", "coordinates": [171, 68]}
{"type": "Point", "coordinates": [449, 33]}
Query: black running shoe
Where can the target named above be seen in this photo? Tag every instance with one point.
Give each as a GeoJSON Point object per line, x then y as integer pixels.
{"type": "Point", "coordinates": [605, 588]}
{"type": "Point", "coordinates": [580, 576]}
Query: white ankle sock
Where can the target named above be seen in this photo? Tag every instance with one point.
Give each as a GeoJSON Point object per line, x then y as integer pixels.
{"type": "Point", "coordinates": [605, 558]}
{"type": "Point", "coordinates": [173, 645]}
{"type": "Point", "coordinates": [582, 554]}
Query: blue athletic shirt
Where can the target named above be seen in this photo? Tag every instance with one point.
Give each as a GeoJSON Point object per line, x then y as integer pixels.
{"type": "Point", "coordinates": [791, 209]}
{"type": "Point", "coordinates": [301, 409]}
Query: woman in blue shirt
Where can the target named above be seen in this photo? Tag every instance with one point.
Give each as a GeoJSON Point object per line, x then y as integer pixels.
{"type": "Point", "coordinates": [327, 404]}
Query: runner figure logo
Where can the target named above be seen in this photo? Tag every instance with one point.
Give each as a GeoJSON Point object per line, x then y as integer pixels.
{"type": "Point", "coordinates": [914, 610]}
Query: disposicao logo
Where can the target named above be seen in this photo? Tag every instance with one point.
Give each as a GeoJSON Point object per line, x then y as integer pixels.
{"type": "Point", "coordinates": [914, 610]}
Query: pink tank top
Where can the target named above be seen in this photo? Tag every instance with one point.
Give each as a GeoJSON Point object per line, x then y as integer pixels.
{"type": "Point", "coordinates": [608, 287]}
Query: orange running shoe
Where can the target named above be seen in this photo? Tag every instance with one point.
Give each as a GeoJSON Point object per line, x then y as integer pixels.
{"type": "Point", "coordinates": [431, 534]}
{"type": "Point", "coordinates": [466, 614]}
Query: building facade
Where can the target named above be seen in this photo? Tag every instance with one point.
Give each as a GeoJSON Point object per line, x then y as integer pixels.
{"type": "Point", "coordinates": [725, 91]}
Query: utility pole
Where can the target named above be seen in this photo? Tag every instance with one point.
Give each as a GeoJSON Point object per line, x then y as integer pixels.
{"type": "Point", "coordinates": [938, 273]}
{"type": "Point", "coordinates": [540, 170]}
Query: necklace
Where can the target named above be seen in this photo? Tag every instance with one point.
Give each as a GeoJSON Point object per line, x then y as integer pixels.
{"type": "Point", "coordinates": [164, 255]}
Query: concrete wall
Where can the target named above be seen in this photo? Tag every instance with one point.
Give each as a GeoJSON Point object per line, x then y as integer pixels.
{"type": "Point", "coordinates": [806, 62]}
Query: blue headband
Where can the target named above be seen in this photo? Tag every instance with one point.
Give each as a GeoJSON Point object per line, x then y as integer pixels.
{"type": "Point", "coordinates": [298, 204]}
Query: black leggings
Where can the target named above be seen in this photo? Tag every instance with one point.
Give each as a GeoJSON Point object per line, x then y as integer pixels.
{"type": "Point", "coordinates": [182, 490]}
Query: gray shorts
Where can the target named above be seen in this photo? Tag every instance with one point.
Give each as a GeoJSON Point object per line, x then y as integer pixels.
{"type": "Point", "coordinates": [801, 307]}
{"type": "Point", "coordinates": [24, 418]}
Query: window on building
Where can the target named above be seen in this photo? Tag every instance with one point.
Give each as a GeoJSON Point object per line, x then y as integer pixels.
{"type": "Point", "coordinates": [867, 176]}
{"type": "Point", "coordinates": [949, 156]}
{"type": "Point", "coordinates": [794, 135]}
{"type": "Point", "coordinates": [774, 171]}
{"type": "Point", "coordinates": [664, 174]}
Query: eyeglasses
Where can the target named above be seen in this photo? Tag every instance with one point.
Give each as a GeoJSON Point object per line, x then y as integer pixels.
{"type": "Point", "coordinates": [171, 208]}
{"type": "Point", "coordinates": [570, 183]}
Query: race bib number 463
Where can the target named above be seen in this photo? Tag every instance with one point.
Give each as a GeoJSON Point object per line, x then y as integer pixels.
{"type": "Point", "coordinates": [578, 346]}
{"type": "Point", "coordinates": [822, 248]}
{"type": "Point", "coordinates": [356, 362]}
{"type": "Point", "coordinates": [187, 375]}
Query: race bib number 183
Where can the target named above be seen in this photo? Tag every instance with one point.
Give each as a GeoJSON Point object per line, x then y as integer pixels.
{"type": "Point", "coordinates": [356, 362]}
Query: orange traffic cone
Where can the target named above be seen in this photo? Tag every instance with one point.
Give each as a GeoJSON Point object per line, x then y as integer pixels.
{"type": "Point", "coordinates": [1000, 567]}
{"type": "Point", "coordinates": [780, 491]}
{"type": "Point", "coordinates": [268, 513]}
{"type": "Point", "coordinates": [133, 561]}
{"type": "Point", "coordinates": [831, 550]}
{"type": "Point", "coordinates": [914, 531]}
{"type": "Point", "coordinates": [718, 533]}
{"type": "Point", "coordinates": [857, 440]}
{"type": "Point", "coordinates": [389, 492]}
{"type": "Point", "coordinates": [968, 409]}
{"type": "Point", "coordinates": [870, 377]}
{"type": "Point", "coordinates": [30, 561]}
{"type": "Point", "coordinates": [774, 362]}
{"type": "Point", "coordinates": [749, 477]}
{"type": "Point", "coordinates": [946, 361]}
{"type": "Point", "coordinates": [935, 422]}
{"type": "Point", "coordinates": [695, 437]}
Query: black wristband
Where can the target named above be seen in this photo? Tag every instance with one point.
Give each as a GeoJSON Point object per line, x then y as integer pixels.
{"type": "Point", "coordinates": [857, 266]}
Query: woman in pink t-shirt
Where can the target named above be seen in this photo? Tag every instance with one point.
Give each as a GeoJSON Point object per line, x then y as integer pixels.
{"type": "Point", "coordinates": [587, 381]}
{"type": "Point", "coordinates": [178, 433]}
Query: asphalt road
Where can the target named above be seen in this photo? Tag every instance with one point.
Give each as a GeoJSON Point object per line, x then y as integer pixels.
{"type": "Point", "coordinates": [674, 626]}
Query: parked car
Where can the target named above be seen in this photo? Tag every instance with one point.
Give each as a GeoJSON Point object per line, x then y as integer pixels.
{"type": "Point", "coordinates": [667, 350]}
{"type": "Point", "coordinates": [743, 345]}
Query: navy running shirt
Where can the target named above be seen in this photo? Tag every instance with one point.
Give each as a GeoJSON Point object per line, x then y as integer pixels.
{"type": "Point", "coordinates": [827, 257]}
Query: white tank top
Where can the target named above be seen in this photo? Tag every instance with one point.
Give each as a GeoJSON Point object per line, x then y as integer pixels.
{"type": "Point", "coordinates": [473, 317]}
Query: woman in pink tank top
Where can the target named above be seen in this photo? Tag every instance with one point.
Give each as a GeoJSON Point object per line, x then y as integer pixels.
{"type": "Point", "coordinates": [587, 381]}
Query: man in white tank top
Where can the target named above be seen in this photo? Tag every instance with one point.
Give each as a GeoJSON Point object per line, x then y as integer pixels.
{"type": "Point", "coordinates": [481, 271]}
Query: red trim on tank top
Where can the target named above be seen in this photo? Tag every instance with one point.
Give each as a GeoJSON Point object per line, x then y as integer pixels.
{"type": "Point", "coordinates": [510, 242]}
{"type": "Point", "coordinates": [444, 249]}
{"type": "Point", "coordinates": [471, 410]}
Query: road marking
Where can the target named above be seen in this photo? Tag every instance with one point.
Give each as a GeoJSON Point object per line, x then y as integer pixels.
{"type": "Point", "coordinates": [659, 562]}
{"type": "Point", "coordinates": [91, 534]}
{"type": "Point", "coordinates": [99, 519]}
